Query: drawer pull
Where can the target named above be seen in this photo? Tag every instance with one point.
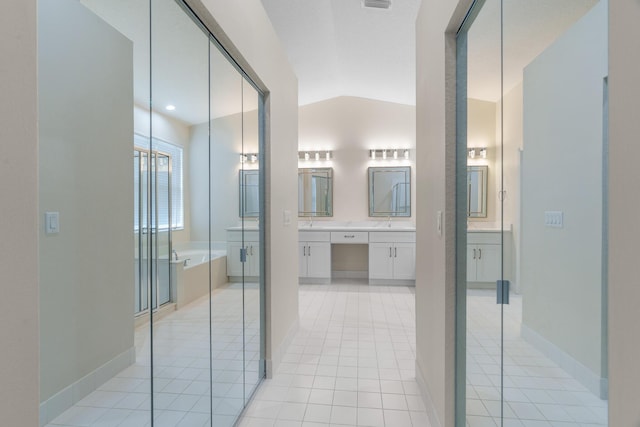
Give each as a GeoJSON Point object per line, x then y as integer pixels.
{"type": "Point", "coordinates": [349, 236]}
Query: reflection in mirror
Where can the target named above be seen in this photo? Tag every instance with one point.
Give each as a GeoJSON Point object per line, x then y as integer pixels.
{"type": "Point", "coordinates": [477, 191]}
{"type": "Point", "coordinates": [249, 190]}
{"type": "Point", "coordinates": [390, 191]}
{"type": "Point", "coordinates": [315, 192]}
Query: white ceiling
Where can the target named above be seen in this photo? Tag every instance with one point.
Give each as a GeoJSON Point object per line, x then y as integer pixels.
{"type": "Point", "coordinates": [529, 28]}
{"type": "Point", "coordinates": [340, 48]}
{"type": "Point", "coordinates": [179, 53]}
{"type": "Point", "coordinates": [336, 47]}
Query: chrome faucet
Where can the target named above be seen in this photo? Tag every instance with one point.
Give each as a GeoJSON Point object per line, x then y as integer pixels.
{"type": "Point", "coordinates": [175, 254]}
{"type": "Point", "coordinates": [389, 221]}
{"type": "Point", "coordinates": [310, 222]}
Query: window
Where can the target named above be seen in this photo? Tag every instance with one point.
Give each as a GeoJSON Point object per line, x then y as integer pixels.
{"type": "Point", "coordinates": [177, 198]}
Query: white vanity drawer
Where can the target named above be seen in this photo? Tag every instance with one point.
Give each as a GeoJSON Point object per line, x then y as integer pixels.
{"type": "Point", "coordinates": [392, 236]}
{"type": "Point", "coordinates": [314, 236]}
{"type": "Point", "coordinates": [349, 237]}
{"type": "Point", "coordinates": [484, 237]}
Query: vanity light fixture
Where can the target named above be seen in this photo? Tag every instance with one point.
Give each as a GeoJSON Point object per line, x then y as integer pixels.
{"type": "Point", "coordinates": [390, 153]}
{"type": "Point", "coordinates": [477, 151]}
{"type": "Point", "coordinates": [249, 157]}
{"type": "Point", "coordinates": [315, 155]}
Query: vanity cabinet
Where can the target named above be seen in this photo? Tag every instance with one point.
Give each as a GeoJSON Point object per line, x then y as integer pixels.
{"type": "Point", "coordinates": [484, 256]}
{"type": "Point", "coordinates": [235, 244]}
{"type": "Point", "coordinates": [314, 254]}
{"type": "Point", "coordinates": [392, 255]}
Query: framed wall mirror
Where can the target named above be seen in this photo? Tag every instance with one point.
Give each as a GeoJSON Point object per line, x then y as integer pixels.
{"type": "Point", "coordinates": [249, 190]}
{"type": "Point", "coordinates": [315, 192]}
{"type": "Point", "coordinates": [390, 191]}
{"type": "Point", "coordinates": [477, 177]}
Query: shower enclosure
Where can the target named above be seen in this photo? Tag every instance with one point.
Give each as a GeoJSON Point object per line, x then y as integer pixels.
{"type": "Point", "coordinates": [152, 214]}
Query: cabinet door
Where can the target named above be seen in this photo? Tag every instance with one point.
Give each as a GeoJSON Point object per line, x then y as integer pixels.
{"type": "Point", "coordinates": [234, 265]}
{"type": "Point", "coordinates": [318, 259]}
{"type": "Point", "coordinates": [404, 261]}
{"type": "Point", "coordinates": [380, 260]}
{"type": "Point", "coordinates": [302, 259]}
{"type": "Point", "coordinates": [488, 263]}
{"type": "Point", "coordinates": [472, 255]}
{"type": "Point", "coordinates": [253, 258]}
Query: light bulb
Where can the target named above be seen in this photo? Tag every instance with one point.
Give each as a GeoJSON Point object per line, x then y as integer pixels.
{"type": "Point", "coordinates": [384, 154]}
{"type": "Point", "coordinates": [395, 154]}
{"type": "Point", "coordinates": [254, 158]}
{"type": "Point", "coordinates": [406, 154]}
{"type": "Point", "coordinates": [373, 154]}
{"type": "Point", "coordinates": [306, 156]}
{"type": "Point", "coordinates": [317, 155]}
{"type": "Point", "coordinates": [328, 155]}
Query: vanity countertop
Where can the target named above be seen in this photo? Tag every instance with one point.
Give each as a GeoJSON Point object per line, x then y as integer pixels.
{"type": "Point", "coordinates": [489, 227]}
{"type": "Point", "coordinates": [356, 226]}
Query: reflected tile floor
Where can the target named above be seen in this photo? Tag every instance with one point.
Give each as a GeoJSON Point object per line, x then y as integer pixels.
{"type": "Point", "coordinates": [351, 363]}
{"type": "Point", "coordinates": [538, 393]}
{"type": "Point", "coordinates": [182, 395]}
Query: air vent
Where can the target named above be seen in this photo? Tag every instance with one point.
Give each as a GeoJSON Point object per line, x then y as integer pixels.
{"type": "Point", "coordinates": [377, 4]}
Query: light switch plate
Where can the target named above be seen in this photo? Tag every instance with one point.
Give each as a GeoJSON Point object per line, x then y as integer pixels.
{"type": "Point", "coordinates": [286, 217]}
{"type": "Point", "coordinates": [554, 219]}
{"type": "Point", "coordinates": [439, 223]}
{"type": "Point", "coordinates": [51, 222]}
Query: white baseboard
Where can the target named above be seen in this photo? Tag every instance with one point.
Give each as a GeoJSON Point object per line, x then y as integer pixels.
{"type": "Point", "coordinates": [276, 354]}
{"type": "Point", "coordinates": [72, 394]}
{"type": "Point", "coordinates": [426, 398]}
{"type": "Point", "coordinates": [593, 382]}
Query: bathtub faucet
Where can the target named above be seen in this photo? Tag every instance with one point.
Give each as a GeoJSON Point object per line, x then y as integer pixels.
{"type": "Point", "coordinates": [175, 254]}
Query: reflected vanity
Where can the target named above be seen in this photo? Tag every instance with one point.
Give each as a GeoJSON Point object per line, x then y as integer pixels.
{"type": "Point", "coordinates": [390, 191]}
{"type": "Point", "coordinates": [249, 191]}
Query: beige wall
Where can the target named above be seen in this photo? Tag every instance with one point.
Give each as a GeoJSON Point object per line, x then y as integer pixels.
{"type": "Point", "coordinates": [245, 30]}
{"type": "Point", "coordinates": [86, 271]}
{"type": "Point", "coordinates": [624, 201]}
{"type": "Point", "coordinates": [481, 132]}
{"type": "Point", "coordinates": [19, 373]}
{"type": "Point", "coordinates": [562, 171]}
{"type": "Point", "coordinates": [350, 127]}
{"type": "Point", "coordinates": [435, 160]}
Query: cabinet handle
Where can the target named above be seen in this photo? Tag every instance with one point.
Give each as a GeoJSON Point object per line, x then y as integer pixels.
{"type": "Point", "coordinates": [395, 252]}
{"type": "Point", "coordinates": [304, 251]}
{"type": "Point", "coordinates": [251, 250]}
{"type": "Point", "coordinates": [474, 254]}
{"type": "Point", "coordinates": [349, 236]}
{"type": "Point", "coordinates": [389, 251]}
{"type": "Point", "coordinates": [480, 252]}
{"type": "Point", "coordinates": [309, 251]}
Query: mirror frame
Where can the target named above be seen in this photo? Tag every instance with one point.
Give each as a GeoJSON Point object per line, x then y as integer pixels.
{"type": "Point", "coordinates": [329, 212]}
{"type": "Point", "coordinates": [371, 170]}
{"type": "Point", "coordinates": [483, 187]}
{"type": "Point", "coordinates": [241, 190]}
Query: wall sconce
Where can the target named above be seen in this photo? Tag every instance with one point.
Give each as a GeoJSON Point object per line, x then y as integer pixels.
{"type": "Point", "coordinates": [249, 158]}
{"type": "Point", "coordinates": [315, 155]}
{"type": "Point", "coordinates": [477, 152]}
{"type": "Point", "coordinates": [394, 153]}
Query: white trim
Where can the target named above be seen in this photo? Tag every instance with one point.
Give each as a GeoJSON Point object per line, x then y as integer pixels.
{"type": "Point", "coordinates": [276, 354]}
{"type": "Point", "coordinates": [585, 376]}
{"type": "Point", "coordinates": [426, 397]}
{"type": "Point", "coordinates": [72, 394]}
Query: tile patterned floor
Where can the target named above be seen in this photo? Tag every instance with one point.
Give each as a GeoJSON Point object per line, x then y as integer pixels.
{"type": "Point", "coordinates": [182, 395]}
{"type": "Point", "coordinates": [350, 364]}
{"type": "Point", "coordinates": [538, 393]}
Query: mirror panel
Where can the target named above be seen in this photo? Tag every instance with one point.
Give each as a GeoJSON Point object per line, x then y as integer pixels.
{"type": "Point", "coordinates": [477, 191]}
{"type": "Point", "coordinates": [249, 181]}
{"type": "Point", "coordinates": [315, 192]}
{"type": "Point", "coordinates": [390, 191]}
